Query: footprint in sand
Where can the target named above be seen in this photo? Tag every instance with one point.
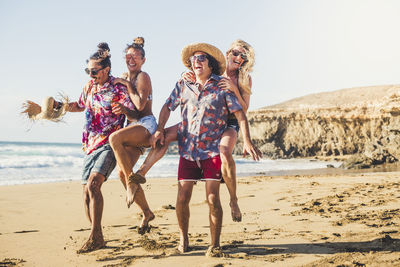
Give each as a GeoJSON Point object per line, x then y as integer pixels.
{"type": "Point", "coordinates": [168, 207]}
{"type": "Point", "coordinates": [82, 230]}
{"type": "Point", "coordinates": [11, 262]}
{"type": "Point", "coordinates": [118, 225]}
{"type": "Point", "coordinates": [26, 231]}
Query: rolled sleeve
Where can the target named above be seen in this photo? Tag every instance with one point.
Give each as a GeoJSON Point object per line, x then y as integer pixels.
{"type": "Point", "coordinates": [125, 100]}
{"type": "Point", "coordinates": [83, 97]}
{"type": "Point", "coordinates": [232, 102]}
{"type": "Point", "coordinates": [173, 100]}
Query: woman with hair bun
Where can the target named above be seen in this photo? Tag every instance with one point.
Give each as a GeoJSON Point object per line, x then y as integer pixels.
{"type": "Point", "coordinates": [239, 64]}
{"type": "Point", "coordinates": [129, 142]}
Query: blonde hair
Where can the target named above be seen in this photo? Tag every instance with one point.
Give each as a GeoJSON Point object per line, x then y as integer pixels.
{"type": "Point", "coordinates": [246, 67]}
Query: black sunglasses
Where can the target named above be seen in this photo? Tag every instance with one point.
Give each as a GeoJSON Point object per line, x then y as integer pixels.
{"type": "Point", "coordinates": [92, 72]}
{"type": "Point", "coordinates": [200, 58]}
{"type": "Point", "coordinates": [236, 53]}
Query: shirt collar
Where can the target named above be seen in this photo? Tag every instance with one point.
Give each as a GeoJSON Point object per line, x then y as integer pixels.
{"type": "Point", "coordinates": [214, 77]}
{"type": "Point", "coordinates": [107, 84]}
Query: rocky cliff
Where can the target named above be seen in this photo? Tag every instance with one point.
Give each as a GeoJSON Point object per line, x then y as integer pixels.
{"type": "Point", "coordinates": [363, 121]}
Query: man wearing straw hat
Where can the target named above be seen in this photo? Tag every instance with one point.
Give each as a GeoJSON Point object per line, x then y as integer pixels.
{"type": "Point", "coordinates": [204, 110]}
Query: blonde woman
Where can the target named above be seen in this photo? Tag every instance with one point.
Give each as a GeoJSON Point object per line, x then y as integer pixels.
{"type": "Point", "coordinates": [239, 65]}
{"type": "Point", "coordinates": [240, 61]}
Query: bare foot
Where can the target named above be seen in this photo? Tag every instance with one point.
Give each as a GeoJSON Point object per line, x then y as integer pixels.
{"type": "Point", "coordinates": [182, 249]}
{"type": "Point", "coordinates": [91, 245]}
{"type": "Point", "coordinates": [183, 245]}
{"type": "Point", "coordinates": [235, 212]}
{"type": "Point", "coordinates": [137, 178]}
{"type": "Point", "coordinates": [214, 252]}
{"type": "Point", "coordinates": [131, 189]}
{"type": "Point", "coordinates": [144, 225]}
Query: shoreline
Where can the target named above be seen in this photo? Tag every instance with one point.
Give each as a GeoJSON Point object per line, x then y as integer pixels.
{"type": "Point", "coordinates": [289, 220]}
{"type": "Point", "coordinates": [41, 164]}
{"type": "Point", "coordinates": [392, 167]}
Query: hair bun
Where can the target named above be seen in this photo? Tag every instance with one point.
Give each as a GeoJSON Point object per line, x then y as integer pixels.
{"type": "Point", "coordinates": [139, 41]}
{"type": "Point", "coordinates": [103, 46]}
{"type": "Point", "coordinates": [103, 50]}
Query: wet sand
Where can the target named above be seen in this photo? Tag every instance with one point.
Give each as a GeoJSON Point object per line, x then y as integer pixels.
{"type": "Point", "coordinates": [329, 219]}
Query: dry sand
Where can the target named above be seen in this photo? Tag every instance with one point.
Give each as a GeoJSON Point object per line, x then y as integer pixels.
{"type": "Point", "coordinates": [347, 219]}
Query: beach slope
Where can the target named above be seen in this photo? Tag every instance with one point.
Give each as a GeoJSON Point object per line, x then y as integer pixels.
{"type": "Point", "coordinates": [300, 220]}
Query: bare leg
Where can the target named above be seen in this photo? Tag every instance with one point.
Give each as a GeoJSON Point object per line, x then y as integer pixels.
{"type": "Point", "coordinates": [215, 215]}
{"type": "Point", "coordinates": [134, 154]}
{"type": "Point", "coordinates": [86, 202]}
{"type": "Point", "coordinates": [140, 197]}
{"type": "Point", "coordinates": [183, 213]}
{"type": "Point", "coordinates": [132, 136]}
{"type": "Point", "coordinates": [157, 153]}
{"type": "Point", "coordinates": [96, 203]}
{"type": "Point", "coordinates": [140, 200]}
{"type": "Point", "coordinates": [154, 155]}
{"type": "Point", "coordinates": [228, 169]}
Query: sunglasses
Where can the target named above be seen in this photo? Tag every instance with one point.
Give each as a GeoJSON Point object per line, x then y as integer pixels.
{"type": "Point", "coordinates": [200, 58]}
{"type": "Point", "coordinates": [237, 53]}
{"type": "Point", "coordinates": [129, 56]}
{"type": "Point", "coordinates": [92, 72]}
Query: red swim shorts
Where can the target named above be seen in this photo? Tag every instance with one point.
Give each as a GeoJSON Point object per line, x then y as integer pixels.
{"type": "Point", "coordinates": [208, 169]}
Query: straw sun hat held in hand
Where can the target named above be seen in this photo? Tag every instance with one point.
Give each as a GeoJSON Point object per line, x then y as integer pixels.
{"type": "Point", "coordinates": [47, 111]}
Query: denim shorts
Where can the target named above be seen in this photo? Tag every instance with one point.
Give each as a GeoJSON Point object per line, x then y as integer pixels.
{"type": "Point", "coordinates": [101, 160]}
{"type": "Point", "coordinates": [234, 124]}
{"type": "Point", "coordinates": [149, 122]}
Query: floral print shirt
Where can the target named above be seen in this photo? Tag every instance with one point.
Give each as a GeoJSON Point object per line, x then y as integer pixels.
{"type": "Point", "coordinates": [100, 122]}
{"type": "Point", "coordinates": [204, 115]}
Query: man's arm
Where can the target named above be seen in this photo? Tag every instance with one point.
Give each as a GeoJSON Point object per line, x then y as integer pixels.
{"type": "Point", "coordinates": [162, 120]}
{"type": "Point", "coordinates": [248, 146]}
{"type": "Point", "coordinates": [74, 107]}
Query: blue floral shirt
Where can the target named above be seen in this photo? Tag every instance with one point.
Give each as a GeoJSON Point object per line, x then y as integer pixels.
{"type": "Point", "coordinates": [204, 115]}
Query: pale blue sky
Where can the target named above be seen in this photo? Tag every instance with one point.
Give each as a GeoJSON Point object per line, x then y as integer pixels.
{"type": "Point", "coordinates": [301, 46]}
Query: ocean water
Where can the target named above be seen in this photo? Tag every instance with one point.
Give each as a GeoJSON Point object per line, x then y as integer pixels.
{"type": "Point", "coordinates": [27, 163]}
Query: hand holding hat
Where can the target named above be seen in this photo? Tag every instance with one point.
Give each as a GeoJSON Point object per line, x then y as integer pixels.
{"type": "Point", "coordinates": [49, 110]}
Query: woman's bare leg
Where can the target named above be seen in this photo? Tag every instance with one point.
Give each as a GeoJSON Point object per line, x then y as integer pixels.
{"type": "Point", "coordinates": [131, 136]}
{"type": "Point", "coordinates": [140, 197]}
{"type": "Point", "coordinates": [228, 169]}
{"type": "Point", "coordinates": [157, 153]}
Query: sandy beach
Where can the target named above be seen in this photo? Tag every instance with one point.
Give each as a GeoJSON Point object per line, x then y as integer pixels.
{"type": "Point", "coordinates": [349, 219]}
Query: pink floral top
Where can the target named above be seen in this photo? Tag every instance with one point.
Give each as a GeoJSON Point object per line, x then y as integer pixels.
{"type": "Point", "coordinates": [100, 122]}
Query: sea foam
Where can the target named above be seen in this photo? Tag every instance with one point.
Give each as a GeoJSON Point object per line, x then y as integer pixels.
{"type": "Point", "coordinates": [27, 163]}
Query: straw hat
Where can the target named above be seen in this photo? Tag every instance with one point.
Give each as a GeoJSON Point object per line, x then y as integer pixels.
{"type": "Point", "coordinates": [189, 50]}
{"type": "Point", "coordinates": [46, 111]}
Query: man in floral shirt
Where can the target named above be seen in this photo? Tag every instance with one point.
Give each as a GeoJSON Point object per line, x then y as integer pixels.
{"type": "Point", "coordinates": [100, 121]}
{"type": "Point", "coordinates": [106, 107]}
{"type": "Point", "coordinates": [204, 111]}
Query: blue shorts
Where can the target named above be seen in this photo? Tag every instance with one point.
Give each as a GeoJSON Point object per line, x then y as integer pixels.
{"type": "Point", "coordinates": [101, 160]}
{"type": "Point", "coordinates": [149, 122]}
{"type": "Point", "coordinates": [234, 124]}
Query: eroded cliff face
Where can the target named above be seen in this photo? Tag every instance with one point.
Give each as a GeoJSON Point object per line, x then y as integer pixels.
{"type": "Point", "coordinates": [363, 121]}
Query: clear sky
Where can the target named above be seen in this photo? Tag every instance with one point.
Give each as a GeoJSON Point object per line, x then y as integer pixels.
{"type": "Point", "coordinates": [302, 47]}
